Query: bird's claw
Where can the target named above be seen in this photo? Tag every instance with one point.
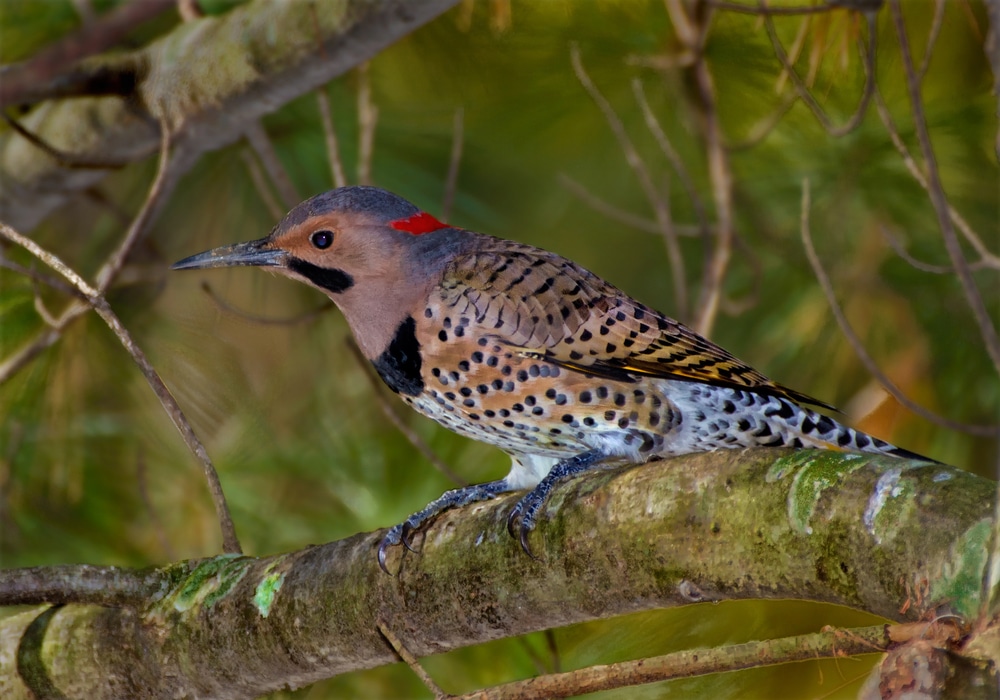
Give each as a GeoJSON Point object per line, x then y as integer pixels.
{"type": "Point", "coordinates": [398, 534]}
{"type": "Point", "coordinates": [392, 538]}
{"type": "Point", "coordinates": [406, 530]}
{"type": "Point", "coordinates": [514, 519]}
{"type": "Point", "coordinates": [521, 522]}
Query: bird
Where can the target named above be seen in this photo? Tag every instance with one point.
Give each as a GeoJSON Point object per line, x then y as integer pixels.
{"type": "Point", "coordinates": [521, 348]}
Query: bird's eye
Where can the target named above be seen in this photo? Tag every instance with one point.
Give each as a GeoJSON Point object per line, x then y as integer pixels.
{"type": "Point", "coordinates": [322, 239]}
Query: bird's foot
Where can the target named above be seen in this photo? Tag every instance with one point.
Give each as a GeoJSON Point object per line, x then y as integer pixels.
{"type": "Point", "coordinates": [521, 520]}
{"type": "Point", "coordinates": [456, 498]}
{"type": "Point", "coordinates": [524, 516]}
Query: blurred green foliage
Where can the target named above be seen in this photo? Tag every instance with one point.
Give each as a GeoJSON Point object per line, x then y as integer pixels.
{"type": "Point", "coordinates": [91, 470]}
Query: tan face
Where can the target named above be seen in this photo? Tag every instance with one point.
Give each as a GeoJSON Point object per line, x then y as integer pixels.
{"type": "Point", "coordinates": [375, 268]}
{"type": "Point", "coordinates": [360, 263]}
{"type": "Point", "coordinates": [337, 251]}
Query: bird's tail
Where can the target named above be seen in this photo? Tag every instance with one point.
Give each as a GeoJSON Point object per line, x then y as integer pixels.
{"type": "Point", "coordinates": [814, 429]}
{"type": "Point", "coordinates": [732, 417]}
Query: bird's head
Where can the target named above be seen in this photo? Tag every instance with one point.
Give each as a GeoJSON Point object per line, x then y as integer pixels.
{"type": "Point", "coordinates": [374, 253]}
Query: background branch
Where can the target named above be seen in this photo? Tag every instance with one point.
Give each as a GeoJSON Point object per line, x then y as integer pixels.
{"type": "Point", "coordinates": [659, 203]}
{"type": "Point", "coordinates": [940, 201]}
{"type": "Point", "coordinates": [261, 144]}
{"type": "Point", "coordinates": [96, 300]}
{"type": "Point", "coordinates": [694, 662]}
{"type": "Point", "coordinates": [867, 60]}
{"type": "Point", "coordinates": [330, 134]}
{"type": "Point", "coordinates": [159, 191]}
{"type": "Point", "coordinates": [205, 108]}
{"type": "Point", "coordinates": [859, 348]}
{"type": "Point", "coordinates": [719, 172]}
{"type": "Point", "coordinates": [47, 73]}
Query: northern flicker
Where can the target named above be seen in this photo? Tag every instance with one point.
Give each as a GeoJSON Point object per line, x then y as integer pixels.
{"type": "Point", "coordinates": [523, 349]}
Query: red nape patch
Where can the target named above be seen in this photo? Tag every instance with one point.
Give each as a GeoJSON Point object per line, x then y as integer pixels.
{"type": "Point", "coordinates": [418, 223]}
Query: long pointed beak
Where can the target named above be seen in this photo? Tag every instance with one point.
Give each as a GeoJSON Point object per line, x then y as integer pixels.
{"type": "Point", "coordinates": [250, 253]}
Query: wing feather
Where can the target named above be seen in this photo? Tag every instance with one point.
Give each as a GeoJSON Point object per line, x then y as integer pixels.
{"type": "Point", "coordinates": [546, 307]}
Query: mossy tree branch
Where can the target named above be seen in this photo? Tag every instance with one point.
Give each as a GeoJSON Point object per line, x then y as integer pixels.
{"type": "Point", "coordinates": [893, 537]}
{"type": "Point", "coordinates": [208, 81]}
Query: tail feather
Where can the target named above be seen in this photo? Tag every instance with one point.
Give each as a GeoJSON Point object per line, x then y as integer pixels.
{"type": "Point", "coordinates": [725, 416]}
{"type": "Point", "coordinates": [812, 426]}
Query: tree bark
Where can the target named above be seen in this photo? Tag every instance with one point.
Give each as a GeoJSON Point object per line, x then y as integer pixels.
{"type": "Point", "coordinates": [208, 80]}
{"type": "Point", "coordinates": [897, 538]}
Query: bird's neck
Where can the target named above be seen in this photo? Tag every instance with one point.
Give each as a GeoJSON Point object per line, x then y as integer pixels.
{"type": "Point", "coordinates": [375, 318]}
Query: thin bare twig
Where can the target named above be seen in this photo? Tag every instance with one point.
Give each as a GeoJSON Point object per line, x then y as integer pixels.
{"type": "Point", "coordinates": [367, 120]}
{"type": "Point", "coordinates": [264, 320]}
{"type": "Point", "coordinates": [23, 356]}
{"type": "Point", "coordinates": [260, 182]}
{"type": "Point", "coordinates": [987, 258]}
{"type": "Point", "coordinates": [902, 252]}
{"type": "Point", "coordinates": [389, 411]}
{"type": "Point", "coordinates": [160, 189]}
{"type": "Point", "coordinates": [932, 37]}
{"type": "Point", "coordinates": [40, 307]}
{"type": "Point", "coordinates": [189, 10]}
{"type": "Point", "coordinates": [35, 275]}
{"type": "Point", "coordinates": [749, 257]}
{"type": "Point", "coordinates": [262, 146]}
{"type": "Point", "coordinates": [761, 130]}
{"type": "Point", "coordinates": [768, 11]}
{"type": "Point", "coordinates": [858, 346]}
{"type": "Point", "coordinates": [661, 207]}
{"type": "Point", "coordinates": [616, 214]}
{"type": "Point", "coordinates": [939, 200]}
{"type": "Point", "coordinates": [671, 154]}
{"type": "Point", "coordinates": [330, 134]}
{"type": "Point", "coordinates": [97, 301]}
{"type": "Point", "coordinates": [693, 662]}
{"type": "Point", "coordinates": [685, 28]}
{"type": "Point", "coordinates": [407, 656]}
{"type": "Point", "coordinates": [794, 51]}
{"type": "Point", "coordinates": [951, 243]}
{"type": "Point", "coordinates": [109, 271]}
{"type": "Point", "coordinates": [451, 182]}
{"type": "Point", "coordinates": [67, 160]}
{"type": "Point", "coordinates": [720, 176]}
{"type": "Point", "coordinates": [867, 53]}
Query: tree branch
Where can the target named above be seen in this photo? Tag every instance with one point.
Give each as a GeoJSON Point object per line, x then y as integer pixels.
{"type": "Point", "coordinates": [692, 662]}
{"type": "Point", "coordinates": [43, 75]}
{"type": "Point", "coordinates": [82, 583]}
{"type": "Point", "coordinates": [209, 80]}
{"type": "Point", "coordinates": [852, 529]}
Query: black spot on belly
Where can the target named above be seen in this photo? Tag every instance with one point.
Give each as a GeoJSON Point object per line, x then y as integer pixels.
{"type": "Point", "coordinates": [399, 365]}
{"type": "Point", "coordinates": [330, 279]}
